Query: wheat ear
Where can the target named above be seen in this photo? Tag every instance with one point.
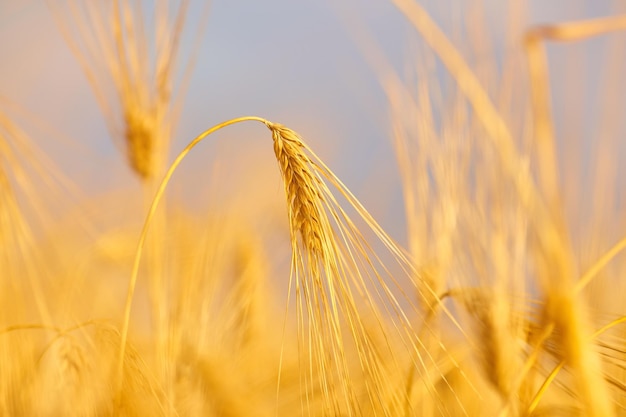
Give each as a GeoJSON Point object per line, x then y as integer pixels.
{"type": "Point", "coordinates": [332, 263]}
{"type": "Point", "coordinates": [118, 55]}
{"type": "Point", "coordinates": [339, 279]}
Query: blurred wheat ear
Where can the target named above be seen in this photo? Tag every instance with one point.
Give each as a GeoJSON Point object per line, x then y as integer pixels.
{"type": "Point", "coordinates": [130, 57]}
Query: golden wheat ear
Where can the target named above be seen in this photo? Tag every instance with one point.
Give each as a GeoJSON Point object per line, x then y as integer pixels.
{"type": "Point", "coordinates": [359, 323]}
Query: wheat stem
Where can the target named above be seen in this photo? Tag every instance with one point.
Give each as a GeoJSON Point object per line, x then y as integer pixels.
{"type": "Point", "coordinates": [144, 231]}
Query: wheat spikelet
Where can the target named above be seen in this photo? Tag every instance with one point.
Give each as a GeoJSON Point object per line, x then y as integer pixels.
{"type": "Point", "coordinates": [342, 284]}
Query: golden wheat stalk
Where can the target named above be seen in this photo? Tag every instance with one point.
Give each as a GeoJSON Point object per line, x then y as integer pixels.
{"type": "Point", "coordinates": [339, 279]}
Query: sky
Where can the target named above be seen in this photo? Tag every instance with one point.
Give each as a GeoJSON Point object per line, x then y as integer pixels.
{"type": "Point", "coordinates": [296, 62]}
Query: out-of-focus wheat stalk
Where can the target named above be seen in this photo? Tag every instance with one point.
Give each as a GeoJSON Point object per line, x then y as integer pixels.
{"type": "Point", "coordinates": [133, 52]}
{"type": "Point", "coordinates": [469, 256]}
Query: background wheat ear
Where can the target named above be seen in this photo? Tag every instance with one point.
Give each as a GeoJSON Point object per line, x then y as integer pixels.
{"type": "Point", "coordinates": [131, 58]}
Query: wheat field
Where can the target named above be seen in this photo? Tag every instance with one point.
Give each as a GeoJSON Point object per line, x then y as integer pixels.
{"type": "Point", "coordinates": [146, 271]}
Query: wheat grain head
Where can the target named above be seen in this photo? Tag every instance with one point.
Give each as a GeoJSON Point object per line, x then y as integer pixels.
{"type": "Point", "coordinates": [132, 70]}
{"type": "Point", "coordinates": [339, 279]}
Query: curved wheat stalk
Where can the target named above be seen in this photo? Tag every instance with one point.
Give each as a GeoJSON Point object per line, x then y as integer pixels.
{"type": "Point", "coordinates": [340, 278]}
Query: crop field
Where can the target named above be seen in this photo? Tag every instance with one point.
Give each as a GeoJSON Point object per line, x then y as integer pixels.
{"type": "Point", "coordinates": [312, 208]}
